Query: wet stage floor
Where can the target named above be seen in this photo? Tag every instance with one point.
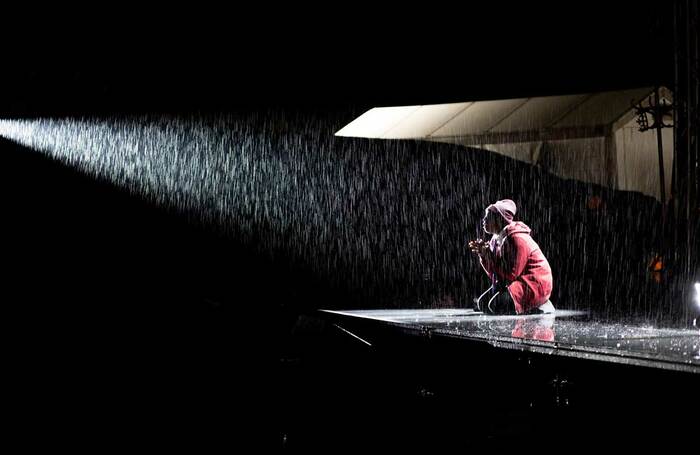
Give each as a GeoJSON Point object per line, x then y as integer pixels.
{"type": "Point", "coordinates": [564, 333]}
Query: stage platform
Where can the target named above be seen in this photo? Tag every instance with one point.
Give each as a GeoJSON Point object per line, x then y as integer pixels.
{"type": "Point", "coordinates": [564, 333]}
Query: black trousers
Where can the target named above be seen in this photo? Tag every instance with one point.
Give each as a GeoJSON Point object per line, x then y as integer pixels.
{"type": "Point", "coordinates": [496, 300]}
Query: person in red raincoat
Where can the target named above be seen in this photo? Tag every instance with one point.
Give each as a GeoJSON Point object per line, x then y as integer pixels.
{"type": "Point", "coordinates": [521, 278]}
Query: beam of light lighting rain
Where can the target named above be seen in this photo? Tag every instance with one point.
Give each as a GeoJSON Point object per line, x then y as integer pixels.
{"type": "Point", "coordinates": [172, 163]}
{"type": "Point", "coordinates": [279, 184]}
{"type": "Point", "coordinates": [386, 221]}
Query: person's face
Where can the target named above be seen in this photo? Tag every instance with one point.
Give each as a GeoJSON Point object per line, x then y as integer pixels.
{"type": "Point", "coordinates": [491, 223]}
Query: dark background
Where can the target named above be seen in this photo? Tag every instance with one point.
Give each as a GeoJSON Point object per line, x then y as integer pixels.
{"type": "Point", "coordinates": [181, 59]}
{"type": "Point", "coordinates": [123, 324]}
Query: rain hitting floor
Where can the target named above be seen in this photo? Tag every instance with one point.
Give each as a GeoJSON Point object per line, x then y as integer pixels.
{"type": "Point", "coordinates": [565, 333]}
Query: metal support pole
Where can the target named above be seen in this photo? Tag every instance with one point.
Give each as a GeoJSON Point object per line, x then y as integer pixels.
{"type": "Point", "coordinates": [662, 173]}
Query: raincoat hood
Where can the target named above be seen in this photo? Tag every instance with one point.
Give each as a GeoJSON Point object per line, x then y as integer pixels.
{"type": "Point", "coordinates": [517, 227]}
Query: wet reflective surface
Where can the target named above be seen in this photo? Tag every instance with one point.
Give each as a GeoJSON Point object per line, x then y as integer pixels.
{"type": "Point", "coordinates": [566, 333]}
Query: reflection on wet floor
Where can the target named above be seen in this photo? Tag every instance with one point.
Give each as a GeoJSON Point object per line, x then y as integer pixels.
{"type": "Point", "coordinates": [570, 333]}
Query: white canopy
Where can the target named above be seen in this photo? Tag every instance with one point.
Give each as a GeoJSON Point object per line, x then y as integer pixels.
{"type": "Point", "coordinates": [590, 137]}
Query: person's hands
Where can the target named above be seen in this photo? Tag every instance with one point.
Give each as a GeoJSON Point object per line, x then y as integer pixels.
{"type": "Point", "coordinates": [478, 246]}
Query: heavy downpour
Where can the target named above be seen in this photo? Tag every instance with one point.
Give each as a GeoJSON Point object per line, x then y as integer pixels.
{"type": "Point", "coordinates": [384, 223]}
{"type": "Point", "coordinates": [361, 249]}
